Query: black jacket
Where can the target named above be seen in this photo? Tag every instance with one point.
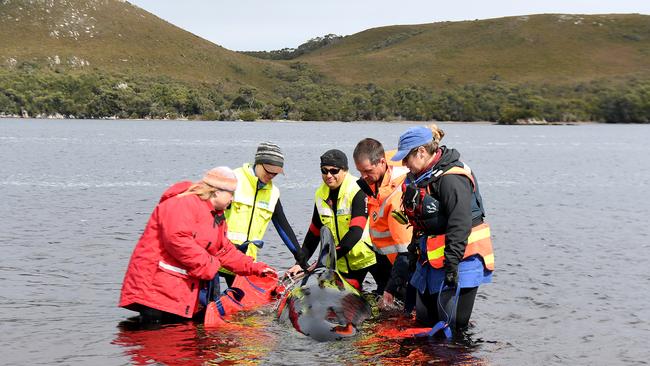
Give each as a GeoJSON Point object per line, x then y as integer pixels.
{"type": "Point", "coordinates": [455, 195]}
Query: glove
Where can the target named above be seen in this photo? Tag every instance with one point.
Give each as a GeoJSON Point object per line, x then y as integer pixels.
{"type": "Point", "coordinates": [301, 258]}
{"type": "Point", "coordinates": [451, 275]}
{"type": "Point", "coordinates": [412, 256]}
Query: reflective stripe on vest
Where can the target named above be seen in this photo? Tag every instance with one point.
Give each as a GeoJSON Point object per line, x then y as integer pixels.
{"type": "Point", "coordinates": [361, 255]}
{"type": "Point", "coordinates": [478, 242]}
{"type": "Point", "coordinates": [246, 203]}
{"type": "Point", "coordinates": [384, 240]}
{"type": "Point", "coordinates": [394, 249]}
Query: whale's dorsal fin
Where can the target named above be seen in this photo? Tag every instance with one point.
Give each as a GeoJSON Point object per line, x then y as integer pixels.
{"type": "Point", "coordinates": [327, 257]}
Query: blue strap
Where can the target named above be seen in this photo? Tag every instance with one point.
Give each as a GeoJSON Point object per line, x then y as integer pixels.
{"type": "Point", "coordinates": [243, 247]}
{"type": "Point", "coordinates": [216, 287]}
{"type": "Point", "coordinates": [254, 285]}
{"type": "Point", "coordinates": [444, 325]}
{"type": "Point", "coordinates": [220, 308]}
{"type": "Point", "coordinates": [283, 235]}
{"type": "Point", "coordinates": [441, 325]}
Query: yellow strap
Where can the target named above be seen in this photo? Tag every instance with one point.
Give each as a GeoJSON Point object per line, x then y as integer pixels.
{"type": "Point", "coordinates": [489, 260]}
{"type": "Point", "coordinates": [436, 253]}
{"type": "Point", "coordinates": [479, 235]}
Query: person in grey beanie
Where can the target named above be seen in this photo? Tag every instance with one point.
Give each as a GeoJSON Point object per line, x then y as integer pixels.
{"type": "Point", "coordinates": [256, 202]}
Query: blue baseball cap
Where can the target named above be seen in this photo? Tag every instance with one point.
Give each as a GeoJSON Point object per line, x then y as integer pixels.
{"type": "Point", "coordinates": [412, 138]}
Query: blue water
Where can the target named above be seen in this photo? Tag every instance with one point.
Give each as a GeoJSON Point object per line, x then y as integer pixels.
{"type": "Point", "coordinates": [567, 205]}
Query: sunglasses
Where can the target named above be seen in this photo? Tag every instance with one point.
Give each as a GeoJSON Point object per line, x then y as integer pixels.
{"type": "Point", "coordinates": [268, 172]}
{"type": "Point", "coordinates": [333, 171]}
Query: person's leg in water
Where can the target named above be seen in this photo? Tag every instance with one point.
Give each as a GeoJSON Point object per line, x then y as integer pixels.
{"type": "Point", "coordinates": [426, 308]}
{"type": "Point", "coordinates": [228, 277]}
{"type": "Point", "coordinates": [355, 278]}
{"type": "Point", "coordinates": [380, 271]}
{"type": "Point", "coordinates": [154, 316]}
{"type": "Point", "coordinates": [465, 307]}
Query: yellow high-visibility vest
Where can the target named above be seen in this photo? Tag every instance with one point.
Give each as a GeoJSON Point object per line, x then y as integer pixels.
{"type": "Point", "coordinates": [361, 255]}
{"type": "Point", "coordinates": [251, 209]}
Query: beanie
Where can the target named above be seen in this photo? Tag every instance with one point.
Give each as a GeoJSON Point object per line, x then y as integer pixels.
{"type": "Point", "coordinates": [335, 158]}
{"type": "Point", "coordinates": [270, 155]}
{"type": "Point", "coordinates": [222, 178]}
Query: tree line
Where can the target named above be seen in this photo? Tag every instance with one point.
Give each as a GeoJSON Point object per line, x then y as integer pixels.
{"type": "Point", "coordinates": [303, 94]}
{"type": "Point", "coordinates": [291, 53]}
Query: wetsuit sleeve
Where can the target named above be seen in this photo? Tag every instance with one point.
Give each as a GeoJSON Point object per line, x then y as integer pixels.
{"type": "Point", "coordinates": [284, 230]}
{"type": "Point", "coordinates": [313, 235]}
{"type": "Point", "coordinates": [357, 225]}
{"type": "Point", "coordinates": [455, 198]}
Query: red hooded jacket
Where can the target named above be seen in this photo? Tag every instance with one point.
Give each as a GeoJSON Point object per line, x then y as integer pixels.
{"type": "Point", "coordinates": [181, 244]}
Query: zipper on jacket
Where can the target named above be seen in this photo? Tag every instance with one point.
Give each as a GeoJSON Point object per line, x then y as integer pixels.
{"type": "Point", "coordinates": [250, 223]}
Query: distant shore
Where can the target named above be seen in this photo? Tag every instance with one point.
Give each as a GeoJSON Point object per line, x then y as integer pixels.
{"type": "Point", "coordinates": [516, 123]}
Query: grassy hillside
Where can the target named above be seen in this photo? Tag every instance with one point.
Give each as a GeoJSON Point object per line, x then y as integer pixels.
{"type": "Point", "coordinates": [105, 58]}
{"type": "Point", "coordinates": [112, 36]}
{"type": "Point", "coordinates": [554, 49]}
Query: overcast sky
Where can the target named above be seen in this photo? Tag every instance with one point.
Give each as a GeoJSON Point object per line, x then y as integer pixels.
{"type": "Point", "coordinates": [274, 24]}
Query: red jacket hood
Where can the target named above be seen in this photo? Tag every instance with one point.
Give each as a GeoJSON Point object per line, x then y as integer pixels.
{"type": "Point", "coordinates": [175, 190]}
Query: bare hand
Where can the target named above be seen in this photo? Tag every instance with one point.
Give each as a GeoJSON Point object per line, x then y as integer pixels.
{"type": "Point", "coordinates": [387, 301]}
{"type": "Point", "coordinates": [294, 271]}
{"type": "Point", "coordinates": [269, 272]}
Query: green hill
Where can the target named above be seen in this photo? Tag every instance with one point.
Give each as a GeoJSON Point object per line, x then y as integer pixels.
{"type": "Point", "coordinates": [105, 58]}
{"type": "Point", "coordinates": [548, 48]}
{"type": "Point", "coordinates": [113, 36]}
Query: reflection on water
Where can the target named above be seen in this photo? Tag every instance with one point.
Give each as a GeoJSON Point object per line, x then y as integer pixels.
{"type": "Point", "coordinates": [189, 343]}
{"type": "Point", "coordinates": [253, 339]}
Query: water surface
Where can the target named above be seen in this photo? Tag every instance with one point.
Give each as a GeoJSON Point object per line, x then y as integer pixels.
{"type": "Point", "coordinates": [567, 206]}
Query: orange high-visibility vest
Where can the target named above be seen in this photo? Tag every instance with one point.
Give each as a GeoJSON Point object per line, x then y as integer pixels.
{"type": "Point", "coordinates": [388, 236]}
{"type": "Point", "coordinates": [478, 242]}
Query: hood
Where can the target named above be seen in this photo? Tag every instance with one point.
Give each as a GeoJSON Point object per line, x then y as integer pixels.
{"type": "Point", "coordinates": [175, 190]}
{"type": "Point", "coordinates": [449, 157]}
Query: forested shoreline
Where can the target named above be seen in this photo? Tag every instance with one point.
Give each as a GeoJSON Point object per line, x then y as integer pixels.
{"type": "Point", "coordinates": [304, 95]}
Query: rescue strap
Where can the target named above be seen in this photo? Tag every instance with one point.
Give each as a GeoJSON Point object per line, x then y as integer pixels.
{"type": "Point", "coordinates": [444, 325]}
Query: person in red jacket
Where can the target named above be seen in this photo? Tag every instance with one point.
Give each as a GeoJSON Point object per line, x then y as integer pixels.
{"type": "Point", "coordinates": [183, 243]}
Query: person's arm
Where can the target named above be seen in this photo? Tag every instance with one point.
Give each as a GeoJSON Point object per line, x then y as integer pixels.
{"type": "Point", "coordinates": [357, 225]}
{"type": "Point", "coordinates": [236, 261]}
{"type": "Point", "coordinates": [284, 230]}
{"type": "Point", "coordinates": [402, 235]}
{"type": "Point", "coordinates": [178, 219]}
{"type": "Point", "coordinates": [455, 198]}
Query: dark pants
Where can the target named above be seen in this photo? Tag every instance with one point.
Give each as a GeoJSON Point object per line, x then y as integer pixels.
{"type": "Point", "coordinates": [228, 277]}
{"type": "Point", "coordinates": [154, 316]}
{"type": "Point", "coordinates": [380, 271]}
{"type": "Point", "coordinates": [356, 276]}
{"type": "Point", "coordinates": [427, 311]}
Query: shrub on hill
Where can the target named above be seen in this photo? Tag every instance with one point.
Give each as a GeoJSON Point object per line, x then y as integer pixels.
{"type": "Point", "coordinates": [42, 93]}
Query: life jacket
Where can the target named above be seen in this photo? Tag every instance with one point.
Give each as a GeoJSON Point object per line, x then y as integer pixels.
{"type": "Point", "coordinates": [361, 255]}
{"type": "Point", "coordinates": [251, 209]}
{"type": "Point", "coordinates": [388, 236]}
{"type": "Point", "coordinates": [478, 242]}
